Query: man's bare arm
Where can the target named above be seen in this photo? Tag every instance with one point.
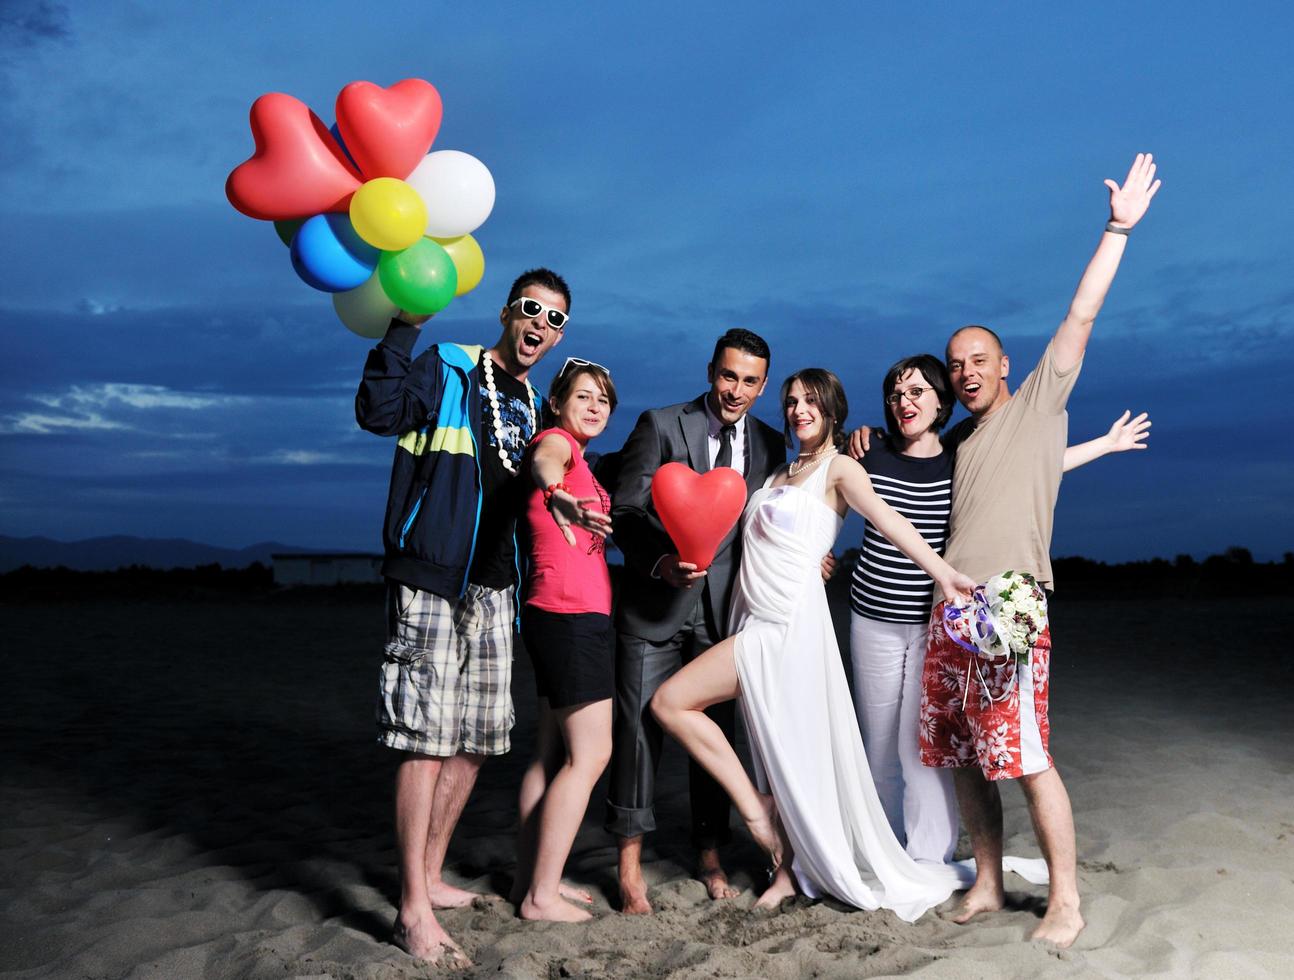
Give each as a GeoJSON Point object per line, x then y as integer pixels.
{"type": "Point", "coordinates": [1127, 206]}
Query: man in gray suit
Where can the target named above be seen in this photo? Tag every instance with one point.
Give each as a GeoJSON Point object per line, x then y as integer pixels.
{"type": "Point", "coordinates": [669, 611]}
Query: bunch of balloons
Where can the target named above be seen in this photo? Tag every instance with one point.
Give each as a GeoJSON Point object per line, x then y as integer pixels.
{"type": "Point", "coordinates": [370, 215]}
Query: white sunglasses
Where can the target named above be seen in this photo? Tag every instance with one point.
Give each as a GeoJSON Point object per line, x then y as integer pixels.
{"type": "Point", "coordinates": [532, 308]}
{"type": "Point", "coordinates": [579, 362]}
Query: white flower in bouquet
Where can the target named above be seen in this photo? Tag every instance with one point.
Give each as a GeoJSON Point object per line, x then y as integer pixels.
{"type": "Point", "coordinates": [1017, 608]}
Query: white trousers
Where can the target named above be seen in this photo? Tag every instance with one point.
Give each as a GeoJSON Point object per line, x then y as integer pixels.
{"type": "Point", "coordinates": [919, 802]}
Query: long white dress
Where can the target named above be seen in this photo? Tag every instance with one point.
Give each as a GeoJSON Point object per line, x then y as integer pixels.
{"type": "Point", "coordinates": [803, 731]}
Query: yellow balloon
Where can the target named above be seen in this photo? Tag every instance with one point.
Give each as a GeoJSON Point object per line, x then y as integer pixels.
{"type": "Point", "coordinates": [388, 214]}
{"type": "Point", "coordinates": [468, 258]}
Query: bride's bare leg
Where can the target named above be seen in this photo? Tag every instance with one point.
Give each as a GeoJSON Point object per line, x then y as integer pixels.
{"type": "Point", "coordinates": [679, 705]}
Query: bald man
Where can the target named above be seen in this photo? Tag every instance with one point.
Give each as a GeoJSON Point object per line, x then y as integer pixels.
{"type": "Point", "coordinates": [1009, 461]}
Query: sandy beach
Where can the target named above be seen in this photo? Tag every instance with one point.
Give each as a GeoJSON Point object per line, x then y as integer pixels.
{"type": "Point", "coordinates": [190, 788]}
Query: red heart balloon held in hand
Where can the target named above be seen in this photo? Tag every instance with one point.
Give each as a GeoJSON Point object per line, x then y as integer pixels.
{"type": "Point", "coordinates": [297, 171]}
{"type": "Point", "coordinates": [388, 130]}
{"type": "Point", "coordinates": [698, 510]}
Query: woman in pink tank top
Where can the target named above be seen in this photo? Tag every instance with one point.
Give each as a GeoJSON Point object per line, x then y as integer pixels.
{"type": "Point", "coordinates": [566, 628]}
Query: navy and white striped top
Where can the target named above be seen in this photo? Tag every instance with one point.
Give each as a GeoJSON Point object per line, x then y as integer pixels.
{"type": "Point", "coordinates": [887, 585]}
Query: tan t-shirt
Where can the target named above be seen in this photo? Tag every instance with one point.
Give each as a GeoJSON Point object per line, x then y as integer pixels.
{"type": "Point", "coordinates": [1007, 477]}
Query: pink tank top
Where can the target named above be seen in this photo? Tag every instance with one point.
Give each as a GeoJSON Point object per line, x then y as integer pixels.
{"type": "Point", "coordinates": [562, 578]}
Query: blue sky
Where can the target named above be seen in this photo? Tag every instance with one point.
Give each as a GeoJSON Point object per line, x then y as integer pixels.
{"type": "Point", "coordinates": [853, 181]}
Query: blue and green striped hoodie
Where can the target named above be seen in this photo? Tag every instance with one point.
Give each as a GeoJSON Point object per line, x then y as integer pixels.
{"type": "Point", "coordinates": [433, 404]}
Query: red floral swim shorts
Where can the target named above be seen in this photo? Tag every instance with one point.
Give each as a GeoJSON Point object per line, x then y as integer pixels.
{"type": "Point", "coordinates": [977, 712]}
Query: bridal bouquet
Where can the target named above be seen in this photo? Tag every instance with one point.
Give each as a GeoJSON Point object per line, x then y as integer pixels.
{"type": "Point", "coordinates": [1010, 613]}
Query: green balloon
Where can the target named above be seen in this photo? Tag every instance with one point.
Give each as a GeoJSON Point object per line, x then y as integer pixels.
{"type": "Point", "coordinates": [420, 279]}
{"type": "Point", "coordinates": [287, 229]}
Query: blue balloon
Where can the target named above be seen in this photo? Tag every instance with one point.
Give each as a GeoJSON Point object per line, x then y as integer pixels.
{"type": "Point", "coordinates": [328, 254]}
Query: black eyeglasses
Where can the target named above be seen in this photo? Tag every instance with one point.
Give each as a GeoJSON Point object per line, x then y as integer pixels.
{"type": "Point", "coordinates": [532, 308]}
{"type": "Point", "coordinates": [913, 395]}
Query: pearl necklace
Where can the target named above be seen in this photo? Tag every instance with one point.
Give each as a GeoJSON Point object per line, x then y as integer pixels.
{"type": "Point", "coordinates": [487, 368]}
{"type": "Point", "coordinates": [813, 460]}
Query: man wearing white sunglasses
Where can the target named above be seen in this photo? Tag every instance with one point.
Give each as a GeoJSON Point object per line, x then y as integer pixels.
{"type": "Point", "coordinates": [464, 416]}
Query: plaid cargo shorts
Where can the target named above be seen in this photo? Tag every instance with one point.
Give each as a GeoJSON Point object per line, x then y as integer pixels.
{"type": "Point", "coordinates": [446, 683]}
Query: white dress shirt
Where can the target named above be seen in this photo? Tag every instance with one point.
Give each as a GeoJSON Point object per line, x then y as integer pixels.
{"type": "Point", "coordinates": [713, 425]}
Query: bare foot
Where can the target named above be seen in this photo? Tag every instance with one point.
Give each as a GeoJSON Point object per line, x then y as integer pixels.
{"type": "Point", "coordinates": [982, 897]}
{"type": "Point", "coordinates": [1060, 926]}
{"type": "Point", "coordinates": [446, 896]}
{"type": "Point", "coordinates": [554, 910]}
{"type": "Point", "coordinates": [712, 875]}
{"type": "Point", "coordinates": [425, 939]}
{"type": "Point", "coordinates": [783, 886]}
{"type": "Point", "coordinates": [633, 896]}
{"type": "Point", "coordinates": [573, 894]}
{"type": "Point", "coordinates": [568, 892]}
{"type": "Point", "coordinates": [765, 831]}
{"type": "Point", "coordinates": [716, 884]}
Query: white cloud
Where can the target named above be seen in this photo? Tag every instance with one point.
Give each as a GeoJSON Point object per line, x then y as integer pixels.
{"type": "Point", "coordinates": [136, 396]}
{"type": "Point", "coordinates": [304, 457]}
{"type": "Point", "coordinates": [31, 423]}
{"type": "Point", "coordinates": [89, 407]}
{"type": "Point", "coordinates": [94, 307]}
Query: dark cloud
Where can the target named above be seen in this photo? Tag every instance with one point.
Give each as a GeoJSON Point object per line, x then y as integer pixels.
{"type": "Point", "coordinates": [165, 367]}
{"type": "Point", "coordinates": [26, 23]}
{"type": "Point", "coordinates": [25, 26]}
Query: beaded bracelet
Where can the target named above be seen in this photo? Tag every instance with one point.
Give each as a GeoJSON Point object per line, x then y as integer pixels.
{"type": "Point", "coordinates": [551, 489]}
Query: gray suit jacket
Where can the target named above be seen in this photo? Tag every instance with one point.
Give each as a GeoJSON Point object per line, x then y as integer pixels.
{"type": "Point", "coordinates": [648, 607]}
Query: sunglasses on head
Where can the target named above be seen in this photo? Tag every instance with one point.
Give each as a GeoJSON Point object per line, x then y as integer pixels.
{"type": "Point", "coordinates": [579, 362]}
{"type": "Point", "coordinates": [531, 308]}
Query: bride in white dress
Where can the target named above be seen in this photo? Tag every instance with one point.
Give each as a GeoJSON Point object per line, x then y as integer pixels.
{"type": "Point", "coordinates": [783, 663]}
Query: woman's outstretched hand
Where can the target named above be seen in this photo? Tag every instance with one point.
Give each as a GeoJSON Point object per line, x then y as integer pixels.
{"type": "Point", "coordinates": [568, 509]}
{"type": "Point", "coordinates": [1129, 433]}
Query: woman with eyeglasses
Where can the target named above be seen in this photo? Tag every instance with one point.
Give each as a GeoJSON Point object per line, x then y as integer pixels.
{"type": "Point", "coordinates": [783, 663]}
{"type": "Point", "coordinates": [890, 598]}
{"type": "Point", "coordinates": [566, 627]}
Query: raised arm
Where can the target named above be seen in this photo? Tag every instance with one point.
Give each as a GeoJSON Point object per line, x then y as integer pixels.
{"type": "Point", "coordinates": [854, 486]}
{"type": "Point", "coordinates": [1126, 433]}
{"type": "Point", "coordinates": [1127, 205]}
{"type": "Point", "coordinates": [396, 394]}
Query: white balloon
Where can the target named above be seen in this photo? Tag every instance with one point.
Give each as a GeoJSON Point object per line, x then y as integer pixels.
{"type": "Point", "coordinates": [457, 189]}
{"type": "Point", "coordinates": [365, 310]}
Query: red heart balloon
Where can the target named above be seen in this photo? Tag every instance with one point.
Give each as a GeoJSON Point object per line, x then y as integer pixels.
{"type": "Point", "coordinates": [388, 130]}
{"type": "Point", "coordinates": [297, 171]}
{"type": "Point", "coordinates": [698, 511]}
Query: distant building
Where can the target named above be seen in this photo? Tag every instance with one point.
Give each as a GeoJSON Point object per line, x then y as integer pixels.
{"type": "Point", "coordinates": [341, 568]}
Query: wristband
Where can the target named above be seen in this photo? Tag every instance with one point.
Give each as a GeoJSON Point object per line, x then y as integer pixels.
{"type": "Point", "coordinates": [551, 489]}
{"type": "Point", "coordinates": [1114, 229]}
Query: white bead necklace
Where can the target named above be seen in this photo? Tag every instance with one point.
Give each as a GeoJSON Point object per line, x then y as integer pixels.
{"type": "Point", "coordinates": [809, 460]}
{"type": "Point", "coordinates": [487, 368]}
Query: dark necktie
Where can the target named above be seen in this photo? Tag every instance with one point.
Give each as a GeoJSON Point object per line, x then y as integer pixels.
{"type": "Point", "coordinates": [724, 458]}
